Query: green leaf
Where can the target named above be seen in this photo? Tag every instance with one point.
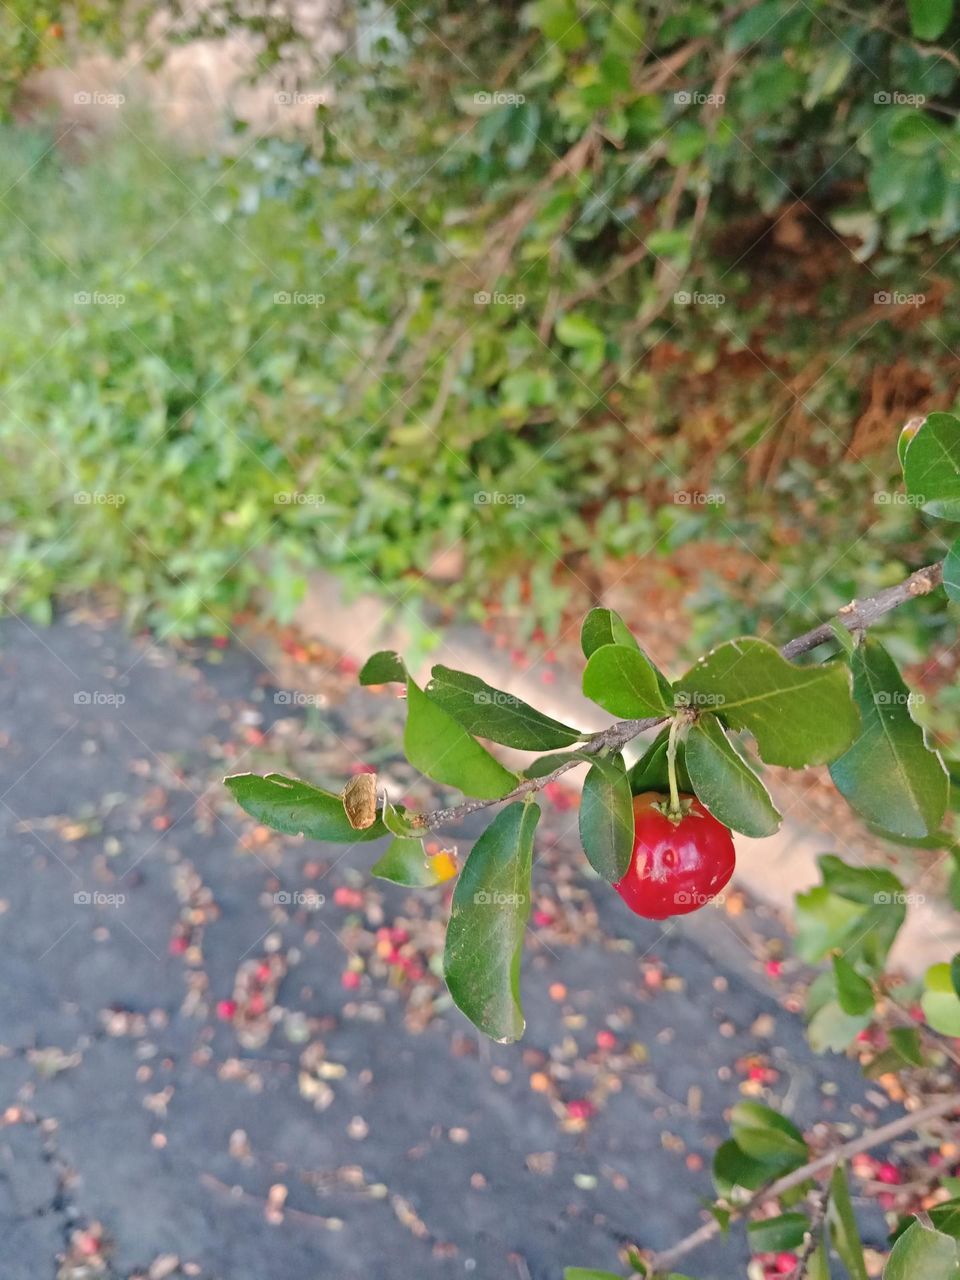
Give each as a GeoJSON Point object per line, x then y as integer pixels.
{"type": "Point", "coordinates": [606, 819]}
{"type": "Point", "coordinates": [931, 467]}
{"type": "Point", "coordinates": [491, 713]}
{"type": "Point", "coordinates": [845, 1233]}
{"type": "Point", "coordinates": [906, 1042]}
{"type": "Point", "coordinates": [922, 1253]}
{"type": "Point", "coordinates": [491, 904]}
{"type": "Point", "coordinates": [890, 776]}
{"type": "Point", "coordinates": [625, 682]}
{"type": "Point", "coordinates": [575, 330]}
{"type": "Point", "coordinates": [929, 19]}
{"type": "Point", "coordinates": [765, 1134]}
{"type": "Point", "coordinates": [650, 771]}
{"type": "Point", "coordinates": [406, 863]}
{"type": "Point", "coordinates": [940, 1002]}
{"type": "Point", "coordinates": [603, 626]}
{"type": "Point", "coordinates": [955, 972]}
{"type": "Point", "coordinates": [831, 1030]}
{"type": "Point", "coordinates": [854, 992]}
{"type": "Point", "coordinates": [297, 808]}
{"type": "Point", "coordinates": [771, 1235]}
{"type": "Point", "coordinates": [946, 1216]}
{"type": "Point", "coordinates": [798, 715]}
{"type": "Point", "coordinates": [732, 1167]}
{"type": "Point", "coordinates": [441, 748]}
{"type": "Point", "coordinates": [724, 782]}
{"type": "Point", "coordinates": [951, 572]}
{"type": "Point", "coordinates": [824, 920]}
{"type": "Point", "coordinates": [383, 668]}
{"type": "Point", "coordinates": [818, 1268]}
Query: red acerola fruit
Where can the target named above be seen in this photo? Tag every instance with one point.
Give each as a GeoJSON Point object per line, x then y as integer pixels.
{"type": "Point", "coordinates": [676, 867]}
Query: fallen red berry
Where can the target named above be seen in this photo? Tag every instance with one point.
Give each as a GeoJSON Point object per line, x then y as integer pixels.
{"type": "Point", "coordinates": [676, 867]}
{"type": "Point", "coordinates": [226, 1009]}
{"type": "Point", "coordinates": [350, 980]}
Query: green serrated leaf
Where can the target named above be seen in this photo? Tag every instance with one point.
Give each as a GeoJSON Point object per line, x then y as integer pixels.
{"type": "Point", "coordinates": [798, 715]}
{"type": "Point", "coordinates": [854, 992]}
{"type": "Point", "coordinates": [491, 713]}
{"type": "Point", "coordinates": [384, 667]}
{"type": "Point", "coordinates": [765, 1134]}
{"type": "Point", "coordinates": [604, 626]}
{"type": "Point", "coordinates": [845, 1235]}
{"type": "Point", "coordinates": [931, 467]}
{"type": "Point", "coordinates": [441, 748]}
{"type": "Point", "coordinates": [625, 682]}
{"type": "Point", "coordinates": [606, 818]}
{"type": "Point", "coordinates": [488, 917]}
{"type": "Point", "coordinates": [921, 1252]}
{"type": "Point", "coordinates": [406, 863]}
{"type": "Point", "coordinates": [724, 782]}
{"type": "Point", "coordinates": [297, 808]}
{"type": "Point", "coordinates": [890, 776]}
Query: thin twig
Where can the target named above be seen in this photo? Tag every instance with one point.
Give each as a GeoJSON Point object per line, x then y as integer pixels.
{"type": "Point", "coordinates": [855, 616]}
{"type": "Point", "coordinates": [867, 1140]}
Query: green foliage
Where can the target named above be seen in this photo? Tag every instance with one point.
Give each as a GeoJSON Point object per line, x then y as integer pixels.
{"type": "Point", "coordinates": [406, 863]}
{"type": "Point", "coordinates": [437, 745]}
{"type": "Point", "coordinates": [926, 1253]}
{"type": "Point", "coordinates": [500, 717]}
{"type": "Point", "coordinates": [798, 715]}
{"type": "Point", "coordinates": [491, 904]}
{"type": "Point", "coordinates": [724, 782]}
{"type": "Point", "coordinates": [295, 807]}
{"type": "Point", "coordinates": [606, 818]}
{"type": "Point", "coordinates": [625, 682]}
{"type": "Point", "coordinates": [845, 1233]}
{"type": "Point", "coordinates": [889, 775]}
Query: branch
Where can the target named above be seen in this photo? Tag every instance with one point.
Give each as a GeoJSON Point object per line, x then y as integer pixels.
{"type": "Point", "coordinates": [860, 614]}
{"type": "Point", "coordinates": [855, 616]}
{"type": "Point", "coordinates": [867, 1140]}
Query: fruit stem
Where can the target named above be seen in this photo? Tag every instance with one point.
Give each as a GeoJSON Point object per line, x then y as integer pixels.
{"type": "Point", "coordinates": [674, 812]}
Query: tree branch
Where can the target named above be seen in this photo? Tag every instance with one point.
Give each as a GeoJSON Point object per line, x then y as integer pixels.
{"type": "Point", "coordinates": [860, 614]}
{"type": "Point", "coordinates": [855, 616]}
{"type": "Point", "coordinates": [865, 1142]}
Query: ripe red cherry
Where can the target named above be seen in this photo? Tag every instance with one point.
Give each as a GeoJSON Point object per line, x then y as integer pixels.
{"type": "Point", "coordinates": [676, 867]}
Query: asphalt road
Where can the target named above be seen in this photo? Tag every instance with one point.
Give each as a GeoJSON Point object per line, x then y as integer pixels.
{"type": "Point", "coordinates": [344, 1132]}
